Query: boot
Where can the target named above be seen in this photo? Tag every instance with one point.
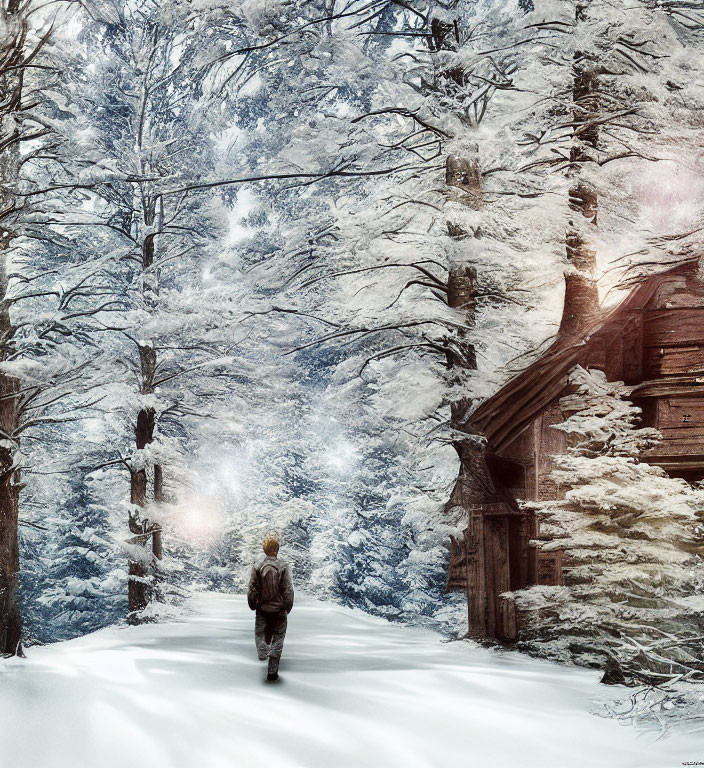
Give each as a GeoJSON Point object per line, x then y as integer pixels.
{"type": "Point", "coordinates": [272, 670]}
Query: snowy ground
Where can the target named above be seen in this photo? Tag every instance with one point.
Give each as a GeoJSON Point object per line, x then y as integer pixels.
{"type": "Point", "coordinates": [354, 691]}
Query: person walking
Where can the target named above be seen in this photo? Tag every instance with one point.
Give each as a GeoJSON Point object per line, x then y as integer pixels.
{"type": "Point", "coordinates": [270, 594]}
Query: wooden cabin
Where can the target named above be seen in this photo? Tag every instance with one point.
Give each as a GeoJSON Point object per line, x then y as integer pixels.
{"type": "Point", "coordinates": [654, 341]}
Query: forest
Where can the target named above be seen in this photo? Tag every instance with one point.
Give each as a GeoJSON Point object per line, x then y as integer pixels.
{"type": "Point", "coordinates": [309, 266]}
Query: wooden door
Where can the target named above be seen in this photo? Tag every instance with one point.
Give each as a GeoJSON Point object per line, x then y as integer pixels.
{"type": "Point", "coordinates": [496, 566]}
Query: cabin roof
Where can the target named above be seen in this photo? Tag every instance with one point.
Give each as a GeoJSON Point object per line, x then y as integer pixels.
{"type": "Point", "coordinates": [504, 415]}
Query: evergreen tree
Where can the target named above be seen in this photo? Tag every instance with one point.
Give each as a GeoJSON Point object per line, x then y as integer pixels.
{"type": "Point", "coordinates": [633, 549]}
{"type": "Point", "coordinates": [81, 584]}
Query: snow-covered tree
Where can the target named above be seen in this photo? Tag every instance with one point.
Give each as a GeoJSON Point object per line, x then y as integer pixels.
{"type": "Point", "coordinates": [79, 585]}
{"type": "Point", "coordinates": [131, 130]}
{"type": "Point", "coordinates": [633, 548]}
{"type": "Point", "coordinates": [24, 33]}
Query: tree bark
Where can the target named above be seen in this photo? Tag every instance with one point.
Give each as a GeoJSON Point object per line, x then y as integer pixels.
{"type": "Point", "coordinates": [463, 179]}
{"type": "Point", "coordinates": [11, 84]}
{"type": "Point", "coordinates": [140, 570]}
{"type": "Point", "coordinates": [474, 484]}
{"type": "Point", "coordinates": [157, 544]}
{"type": "Point", "coordinates": [581, 305]}
{"type": "Point", "coordinates": [10, 617]}
{"type": "Point", "coordinates": [143, 572]}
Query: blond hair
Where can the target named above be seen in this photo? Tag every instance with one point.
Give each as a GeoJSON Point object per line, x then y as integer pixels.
{"type": "Point", "coordinates": [270, 545]}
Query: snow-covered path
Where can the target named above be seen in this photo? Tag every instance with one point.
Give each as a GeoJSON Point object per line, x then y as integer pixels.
{"type": "Point", "coordinates": [354, 691]}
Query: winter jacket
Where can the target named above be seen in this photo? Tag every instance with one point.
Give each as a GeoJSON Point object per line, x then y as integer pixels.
{"type": "Point", "coordinates": [285, 599]}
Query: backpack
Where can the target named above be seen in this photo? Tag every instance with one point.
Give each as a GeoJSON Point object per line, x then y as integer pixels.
{"type": "Point", "coordinates": [270, 580]}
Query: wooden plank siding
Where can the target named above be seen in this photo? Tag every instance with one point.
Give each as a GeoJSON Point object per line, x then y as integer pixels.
{"type": "Point", "coordinates": [632, 349]}
{"type": "Point", "coordinates": [673, 361]}
{"type": "Point", "coordinates": [551, 442]}
{"type": "Point", "coordinates": [674, 327]}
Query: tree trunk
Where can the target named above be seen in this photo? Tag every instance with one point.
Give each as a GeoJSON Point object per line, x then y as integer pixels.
{"type": "Point", "coordinates": [11, 83]}
{"type": "Point", "coordinates": [138, 585]}
{"type": "Point", "coordinates": [10, 618]}
{"type": "Point", "coordinates": [474, 485]}
{"type": "Point", "coordinates": [140, 570]}
{"type": "Point", "coordinates": [463, 180]}
{"type": "Point", "coordinates": [581, 305]}
{"type": "Point", "coordinates": [143, 571]}
{"type": "Point", "coordinates": [157, 545]}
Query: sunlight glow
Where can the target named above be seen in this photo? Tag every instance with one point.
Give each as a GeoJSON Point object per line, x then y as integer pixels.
{"type": "Point", "coordinates": [200, 517]}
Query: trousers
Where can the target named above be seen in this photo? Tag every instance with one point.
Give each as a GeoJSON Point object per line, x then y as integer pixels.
{"type": "Point", "coordinates": [269, 634]}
